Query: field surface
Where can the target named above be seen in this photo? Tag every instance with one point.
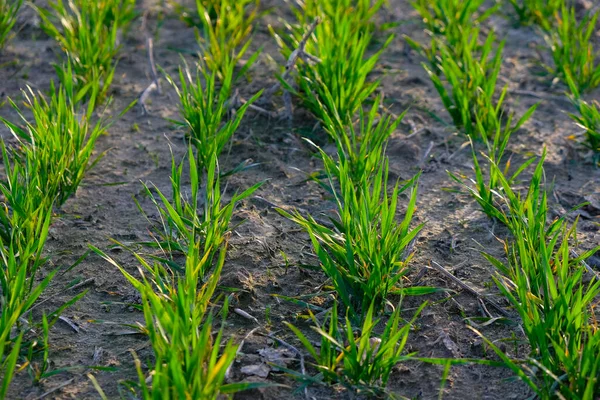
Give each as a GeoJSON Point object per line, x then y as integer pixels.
{"type": "Point", "coordinates": [95, 331]}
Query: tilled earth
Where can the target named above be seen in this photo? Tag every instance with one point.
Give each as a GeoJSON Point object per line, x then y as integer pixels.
{"type": "Point", "coordinates": [139, 150]}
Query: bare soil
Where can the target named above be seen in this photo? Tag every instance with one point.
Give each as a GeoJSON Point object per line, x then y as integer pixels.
{"type": "Point", "coordinates": [139, 150]}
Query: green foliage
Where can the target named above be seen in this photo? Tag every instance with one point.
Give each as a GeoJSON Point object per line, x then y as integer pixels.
{"type": "Point", "coordinates": [16, 302]}
{"type": "Point", "coordinates": [189, 361]}
{"type": "Point", "coordinates": [8, 17]}
{"type": "Point", "coordinates": [363, 145]}
{"type": "Point", "coordinates": [545, 284]}
{"type": "Point", "coordinates": [449, 21]}
{"type": "Point", "coordinates": [206, 108]}
{"type": "Point", "coordinates": [53, 153]}
{"type": "Point", "coordinates": [573, 50]}
{"type": "Point", "coordinates": [365, 253]}
{"type": "Point", "coordinates": [224, 30]}
{"type": "Point", "coordinates": [467, 84]}
{"type": "Point", "coordinates": [87, 31]}
{"type": "Point", "coordinates": [25, 217]}
{"type": "Point", "coordinates": [24, 222]}
{"type": "Point", "coordinates": [589, 119]}
{"type": "Point", "coordinates": [537, 12]}
{"type": "Point", "coordinates": [193, 221]}
{"type": "Point", "coordinates": [486, 188]}
{"type": "Point", "coordinates": [57, 142]}
{"type": "Point", "coordinates": [361, 362]}
{"type": "Point", "coordinates": [448, 17]}
{"type": "Point", "coordinates": [336, 74]}
{"type": "Point", "coordinates": [26, 209]}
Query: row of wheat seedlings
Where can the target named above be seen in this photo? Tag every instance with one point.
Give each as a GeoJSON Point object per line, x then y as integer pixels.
{"type": "Point", "coordinates": [548, 285]}
{"type": "Point", "coordinates": [464, 68]}
{"type": "Point", "coordinates": [362, 249]}
{"type": "Point", "coordinates": [88, 33]}
{"type": "Point", "coordinates": [365, 254]}
{"type": "Point", "coordinates": [178, 292]}
{"type": "Point", "coordinates": [54, 150]}
{"type": "Point", "coordinates": [542, 277]}
{"type": "Point", "coordinates": [181, 266]}
{"type": "Point", "coordinates": [546, 282]}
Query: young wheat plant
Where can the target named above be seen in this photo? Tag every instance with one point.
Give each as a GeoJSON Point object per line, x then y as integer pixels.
{"type": "Point", "coordinates": [573, 51]}
{"type": "Point", "coordinates": [467, 84]}
{"type": "Point", "coordinates": [88, 33]}
{"type": "Point", "coordinates": [449, 21]}
{"type": "Point", "coordinates": [224, 32]}
{"type": "Point", "coordinates": [545, 284]}
{"type": "Point", "coordinates": [203, 217]}
{"type": "Point", "coordinates": [537, 12]}
{"type": "Point", "coordinates": [25, 218]}
{"type": "Point", "coordinates": [8, 17]}
{"type": "Point", "coordinates": [485, 188]}
{"type": "Point", "coordinates": [190, 362]}
{"type": "Point", "coordinates": [362, 363]}
{"type": "Point", "coordinates": [589, 120]}
{"type": "Point", "coordinates": [206, 108]}
{"type": "Point", "coordinates": [588, 117]}
{"type": "Point", "coordinates": [362, 144]}
{"type": "Point", "coordinates": [24, 222]}
{"type": "Point", "coordinates": [339, 63]}
{"type": "Point", "coordinates": [58, 141]}
{"type": "Point", "coordinates": [366, 252]}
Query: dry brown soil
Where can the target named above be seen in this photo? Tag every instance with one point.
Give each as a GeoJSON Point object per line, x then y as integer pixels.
{"type": "Point", "coordinates": [138, 150]}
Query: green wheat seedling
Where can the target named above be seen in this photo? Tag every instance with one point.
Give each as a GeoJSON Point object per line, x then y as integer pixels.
{"type": "Point", "coordinates": [25, 217]}
{"type": "Point", "coordinates": [361, 362]}
{"type": "Point", "coordinates": [87, 32]}
{"type": "Point", "coordinates": [202, 217]}
{"type": "Point", "coordinates": [446, 17]}
{"type": "Point", "coordinates": [26, 209]}
{"type": "Point", "coordinates": [537, 12]}
{"type": "Point", "coordinates": [44, 170]}
{"type": "Point", "coordinates": [206, 108]}
{"type": "Point", "coordinates": [339, 62]}
{"type": "Point", "coordinates": [8, 17]}
{"type": "Point", "coordinates": [485, 188]}
{"type": "Point", "coordinates": [449, 21]}
{"type": "Point", "coordinates": [467, 84]}
{"type": "Point", "coordinates": [18, 295]}
{"type": "Point", "coordinates": [587, 118]}
{"type": "Point", "coordinates": [573, 50]}
{"type": "Point", "coordinates": [366, 252]}
{"type": "Point", "coordinates": [57, 141]}
{"type": "Point", "coordinates": [361, 144]}
{"type": "Point", "coordinates": [306, 11]}
{"type": "Point", "coordinates": [545, 284]}
{"type": "Point", "coordinates": [224, 31]}
{"type": "Point", "coordinates": [190, 362]}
